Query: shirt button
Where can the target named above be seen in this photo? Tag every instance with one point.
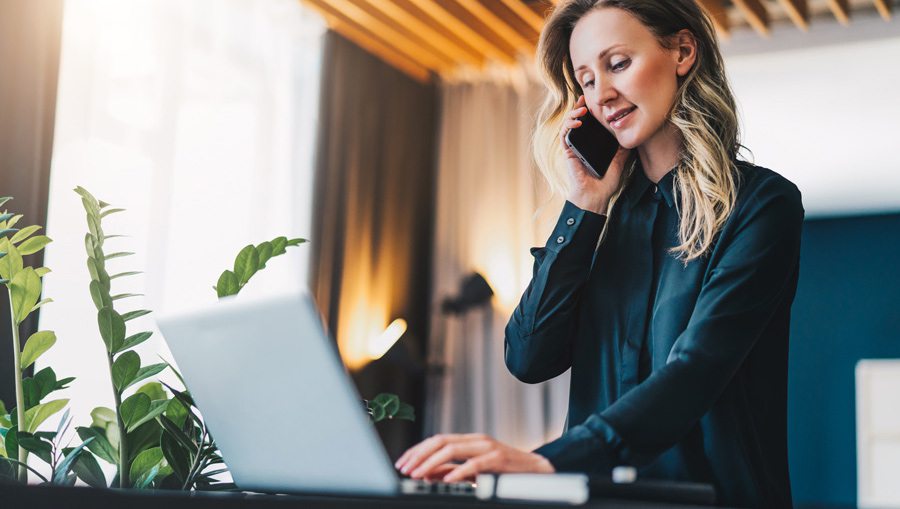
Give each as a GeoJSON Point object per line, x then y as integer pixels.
{"type": "Point", "coordinates": [570, 221]}
{"type": "Point", "coordinates": [560, 239]}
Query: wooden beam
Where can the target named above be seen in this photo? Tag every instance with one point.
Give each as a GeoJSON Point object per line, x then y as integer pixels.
{"type": "Point", "coordinates": [392, 37]}
{"type": "Point", "coordinates": [841, 10]}
{"type": "Point", "coordinates": [523, 11]}
{"type": "Point", "coordinates": [719, 16]}
{"type": "Point", "coordinates": [455, 25]}
{"type": "Point", "coordinates": [756, 15]}
{"type": "Point", "coordinates": [458, 53]}
{"type": "Point", "coordinates": [498, 25]}
{"type": "Point", "coordinates": [370, 44]}
{"type": "Point", "coordinates": [798, 11]}
{"type": "Point", "coordinates": [884, 8]}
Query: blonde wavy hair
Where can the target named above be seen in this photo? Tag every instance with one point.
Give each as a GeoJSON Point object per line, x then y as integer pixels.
{"type": "Point", "coordinates": [704, 112]}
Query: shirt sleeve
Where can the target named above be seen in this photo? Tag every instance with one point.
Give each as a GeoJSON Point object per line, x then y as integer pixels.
{"type": "Point", "coordinates": [751, 277]}
{"type": "Point", "coordinates": [539, 333]}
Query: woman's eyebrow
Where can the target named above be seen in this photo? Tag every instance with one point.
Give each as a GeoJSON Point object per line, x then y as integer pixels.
{"type": "Point", "coordinates": [601, 55]}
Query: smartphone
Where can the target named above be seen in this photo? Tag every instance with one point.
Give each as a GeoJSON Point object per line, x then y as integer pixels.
{"type": "Point", "coordinates": [593, 144]}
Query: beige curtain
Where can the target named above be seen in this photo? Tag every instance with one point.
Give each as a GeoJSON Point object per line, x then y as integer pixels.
{"type": "Point", "coordinates": [487, 194]}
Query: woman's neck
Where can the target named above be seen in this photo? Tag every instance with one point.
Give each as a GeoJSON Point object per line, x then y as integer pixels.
{"type": "Point", "coordinates": [661, 152]}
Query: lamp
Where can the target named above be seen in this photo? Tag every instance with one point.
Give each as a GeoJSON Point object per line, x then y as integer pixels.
{"type": "Point", "coordinates": [474, 291]}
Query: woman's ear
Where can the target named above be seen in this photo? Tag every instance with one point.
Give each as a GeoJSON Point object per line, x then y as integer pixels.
{"type": "Point", "coordinates": [685, 52]}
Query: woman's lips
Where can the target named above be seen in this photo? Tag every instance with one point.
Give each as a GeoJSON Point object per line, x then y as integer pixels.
{"type": "Point", "coordinates": [617, 124]}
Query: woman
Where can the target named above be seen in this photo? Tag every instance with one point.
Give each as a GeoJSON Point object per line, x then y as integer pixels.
{"type": "Point", "coordinates": [666, 286]}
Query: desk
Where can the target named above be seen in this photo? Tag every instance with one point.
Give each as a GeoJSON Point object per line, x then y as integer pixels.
{"type": "Point", "coordinates": [13, 496]}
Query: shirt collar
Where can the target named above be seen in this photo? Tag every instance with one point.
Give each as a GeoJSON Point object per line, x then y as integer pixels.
{"type": "Point", "coordinates": [640, 185]}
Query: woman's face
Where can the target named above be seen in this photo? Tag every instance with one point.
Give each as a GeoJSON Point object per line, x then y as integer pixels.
{"type": "Point", "coordinates": [621, 67]}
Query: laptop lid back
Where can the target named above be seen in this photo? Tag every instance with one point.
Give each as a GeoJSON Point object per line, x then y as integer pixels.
{"type": "Point", "coordinates": [277, 399]}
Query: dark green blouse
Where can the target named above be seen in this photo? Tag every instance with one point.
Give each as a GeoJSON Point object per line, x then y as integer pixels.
{"type": "Point", "coordinates": [679, 370]}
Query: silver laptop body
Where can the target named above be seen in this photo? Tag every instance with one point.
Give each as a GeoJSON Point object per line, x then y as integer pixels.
{"type": "Point", "coordinates": [277, 399]}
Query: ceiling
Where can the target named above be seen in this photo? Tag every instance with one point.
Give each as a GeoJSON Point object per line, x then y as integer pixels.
{"type": "Point", "coordinates": [429, 38]}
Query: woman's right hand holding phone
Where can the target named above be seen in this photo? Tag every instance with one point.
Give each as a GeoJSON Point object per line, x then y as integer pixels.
{"type": "Point", "coordinates": [586, 191]}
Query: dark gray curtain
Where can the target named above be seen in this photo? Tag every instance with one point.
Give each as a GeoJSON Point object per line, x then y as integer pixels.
{"type": "Point", "coordinates": [373, 207]}
{"type": "Point", "coordinates": [30, 33]}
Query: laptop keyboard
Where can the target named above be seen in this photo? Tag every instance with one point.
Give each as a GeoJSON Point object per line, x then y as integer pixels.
{"type": "Point", "coordinates": [423, 487]}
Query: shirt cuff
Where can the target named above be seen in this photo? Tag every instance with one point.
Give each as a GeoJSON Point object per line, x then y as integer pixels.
{"type": "Point", "coordinates": [591, 447]}
{"type": "Point", "coordinates": [576, 229]}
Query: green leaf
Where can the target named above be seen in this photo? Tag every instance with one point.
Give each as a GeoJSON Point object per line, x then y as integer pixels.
{"type": "Point", "coordinates": [7, 231]}
{"type": "Point", "coordinates": [100, 295]}
{"type": "Point", "coordinates": [42, 271]}
{"type": "Point", "coordinates": [146, 372]}
{"type": "Point", "coordinates": [126, 295]}
{"type": "Point", "coordinates": [5, 217]}
{"type": "Point", "coordinates": [228, 284]}
{"type": "Point", "coordinates": [390, 402]}
{"type": "Point", "coordinates": [177, 412]}
{"type": "Point", "coordinates": [5, 199]}
{"type": "Point", "coordinates": [25, 289]}
{"type": "Point", "coordinates": [144, 480]}
{"type": "Point", "coordinates": [134, 340]}
{"type": "Point", "coordinates": [278, 245]}
{"type": "Point", "coordinates": [102, 416]}
{"type": "Point", "coordinates": [96, 231]}
{"type": "Point", "coordinates": [112, 328]}
{"type": "Point", "coordinates": [24, 233]}
{"type": "Point", "coordinates": [123, 274]}
{"type": "Point", "coordinates": [406, 412]}
{"type": "Point", "coordinates": [246, 263]}
{"type": "Point", "coordinates": [34, 244]}
{"type": "Point", "coordinates": [176, 455]}
{"type": "Point", "coordinates": [62, 470]}
{"type": "Point", "coordinates": [37, 344]}
{"type": "Point", "coordinates": [117, 255]}
{"type": "Point", "coordinates": [63, 384]}
{"type": "Point", "coordinates": [124, 369]}
{"type": "Point", "coordinates": [154, 390]}
{"type": "Point", "coordinates": [11, 264]}
{"type": "Point", "coordinates": [35, 416]}
{"type": "Point", "coordinates": [40, 303]}
{"type": "Point", "coordinates": [98, 273]}
{"type": "Point", "coordinates": [110, 211]}
{"type": "Point", "coordinates": [156, 408]}
{"type": "Point", "coordinates": [11, 441]}
{"type": "Point", "coordinates": [39, 386]}
{"type": "Point", "coordinates": [378, 413]}
{"type": "Point", "coordinates": [100, 445]}
{"type": "Point", "coordinates": [175, 432]}
{"type": "Point", "coordinates": [135, 314]}
{"type": "Point", "coordinates": [87, 196]}
{"type": "Point", "coordinates": [88, 470]}
{"type": "Point", "coordinates": [265, 252]}
{"type": "Point", "coordinates": [39, 447]}
{"type": "Point", "coordinates": [296, 242]}
{"type": "Point", "coordinates": [145, 436]}
{"type": "Point", "coordinates": [14, 220]}
{"type": "Point", "coordinates": [134, 408]}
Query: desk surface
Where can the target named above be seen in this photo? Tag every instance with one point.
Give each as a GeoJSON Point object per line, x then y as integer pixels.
{"type": "Point", "coordinates": [51, 497]}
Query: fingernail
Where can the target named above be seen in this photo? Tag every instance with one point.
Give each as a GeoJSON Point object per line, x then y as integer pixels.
{"type": "Point", "coordinates": [405, 470]}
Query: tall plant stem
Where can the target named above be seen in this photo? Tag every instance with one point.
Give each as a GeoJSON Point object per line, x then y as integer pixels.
{"type": "Point", "coordinates": [124, 482]}
{"type": "Point", "coordinates": [20, 393]}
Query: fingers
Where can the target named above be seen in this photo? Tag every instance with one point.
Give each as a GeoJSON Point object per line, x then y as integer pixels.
{"type": "Point", "coordinates": [413, 457]}
{"type": "Point", "coordinates": [451, 452]}
{"type": "Point", "coordinates": [490, 462]}
{"type": "Point", "coordinates": [572, 118]}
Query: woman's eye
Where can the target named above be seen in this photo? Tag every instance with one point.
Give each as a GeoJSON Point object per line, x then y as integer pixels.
{"type": "Point", "coordinates": [620, 65]}
{"type": "Point", "coordinates": [588, 84]}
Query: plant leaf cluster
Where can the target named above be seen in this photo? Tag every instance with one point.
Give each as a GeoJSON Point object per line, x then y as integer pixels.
{"type": "Point", "coordinates": [19, 435]}
{"type": "Point", "coordinates": [250, 260]}
{"type": "Point", "coordinates": [388, 406]}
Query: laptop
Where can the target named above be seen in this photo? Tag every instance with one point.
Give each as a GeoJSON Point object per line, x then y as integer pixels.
{"type": "Point", "coordinates": [276, 397]}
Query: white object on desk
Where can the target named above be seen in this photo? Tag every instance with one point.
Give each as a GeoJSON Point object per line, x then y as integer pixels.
{"type": "Point", "coordinates": [555, 488]}
{"type": "Point", "coordinates": [878, 433]}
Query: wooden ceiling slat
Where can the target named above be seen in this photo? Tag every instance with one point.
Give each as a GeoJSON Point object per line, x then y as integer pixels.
{"type": "Point", "coordinates": [416, 51]}
{"type": "Point", "coordinates": [497, 25]}
{"type": "Point", "coordinates": [798, 11]}
{"type": "Point", "coordinates": [719, 16]}
{"type": "Point", "coordinates": [456, 52]}
{"type": "Point", "coordinates": [841, 10]}
{"type": "Point", "coordinates": [526, 14]}
{"type": "Point", "coordinates": [756, 15]}
{"type": "Point", "coordinates": [453, 24]}
{"type": "Point", "coordinates": [365, 41]}
{"type": "Point", "coordinates": [884, 8]}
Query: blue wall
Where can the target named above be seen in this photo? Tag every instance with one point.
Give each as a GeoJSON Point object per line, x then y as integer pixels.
{"type": "Point", "coordinates": [847, 308]}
